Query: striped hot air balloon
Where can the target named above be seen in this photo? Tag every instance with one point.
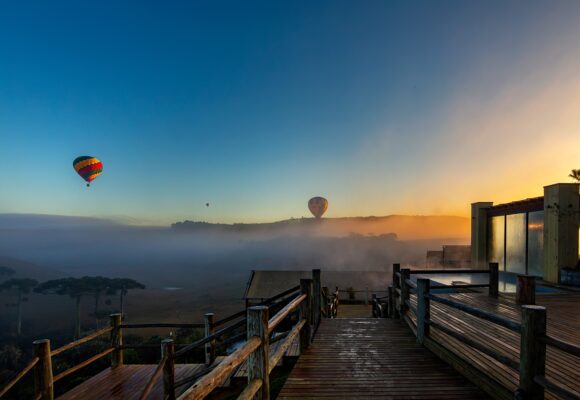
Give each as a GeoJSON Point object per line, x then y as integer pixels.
{"type": "Point", "coordinates": [318, 206]}
{"type": "Point", "coordinates": [88, 168]}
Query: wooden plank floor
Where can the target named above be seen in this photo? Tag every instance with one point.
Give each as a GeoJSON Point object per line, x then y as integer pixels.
{"type": "Point", "coordinates": [127, 382]}
{"type": "Point", "coordinates": [354, 311]}
{"type": "Point", "coordinates": [563, 312]}
{"type": "Point", "coordinates": [372, 358]}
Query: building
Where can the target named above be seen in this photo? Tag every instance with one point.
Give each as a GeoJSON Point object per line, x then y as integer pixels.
{"type": "Point", "coordinates": [537, 236]}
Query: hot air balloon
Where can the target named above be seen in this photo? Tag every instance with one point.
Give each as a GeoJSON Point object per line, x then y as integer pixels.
{"type": "Point", "coordinates": [318, 206]}
{"type": "Point", "coordinates": [88, 168]}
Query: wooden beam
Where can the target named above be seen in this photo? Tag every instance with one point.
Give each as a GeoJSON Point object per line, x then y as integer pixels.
{"type": "Point", "coordinates": [283, 313]}
{"type": "Point", "coordinates": [306, 332]}
{"type": "Point", "coordinates": [167, 350]}
{"type": "Point", "coordinates": [43, 382]}
{"type": "Point", "coordinates": [493, 279]}
{"type": "Point", "coordinates": [526, 289]}
{"type": "Point", "coordinates": [222, 372]}
{"type": "Point", "coordinates": [423, 309]}
{"type": "Point", "coordinates": [532, 351]}
{"type": "Point", "coordinates": [258, 360]}
{"type": "Point", "coordinates": [116, 339]}
{"type": "Point", "coordinates": [316, 290]}
{"type": "Point", "coordinates": [209, 346]}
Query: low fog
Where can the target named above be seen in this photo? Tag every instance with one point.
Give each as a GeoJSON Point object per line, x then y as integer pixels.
{"type": "Point", "coordinates": [194, 267]}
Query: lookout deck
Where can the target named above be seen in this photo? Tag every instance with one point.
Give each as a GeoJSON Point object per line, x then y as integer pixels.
{"type": "Point", "coordinates": [372, 358]}
{"type": "Point", "coordinates": [125, 382]}
{"type": "Point", "coordinates": [563, 311]}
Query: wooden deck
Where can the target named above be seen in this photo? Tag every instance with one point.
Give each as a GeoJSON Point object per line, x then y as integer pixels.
{"type": "Point", "coordinates": [563, 311]}
{"type": "Point", "coordinates": [126, 382]}
{"type": "Point", "coordinates": [354, 311]}
{"type": "Point", "coordinates": [372, 358]}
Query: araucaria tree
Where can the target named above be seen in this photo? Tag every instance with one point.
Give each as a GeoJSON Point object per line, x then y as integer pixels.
{"type": "Point", "coordinates": [73, 287]}
{"type": "Point", "coordinates": [22, 286]}
{"type": "Point", "coordinates": [123, 285]}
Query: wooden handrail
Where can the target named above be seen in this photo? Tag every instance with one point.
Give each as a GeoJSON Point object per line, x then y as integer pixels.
{"type": "Point", "coordinates": [555, 388]}
{"type": "Point", "coordinates": [449, 271]}
{"type": "Point", "coordinates": [281, 350]}
{"type": "Point", "coordinates": [19, 376]}
{"type": "Point", "coordinates": [209, 338]}
{"type": "Point", "coordinates": [156, 375]}
{"type": "Point", "coordinates": [82, 364]}
{"type": "Point", "coordinates": [476, 345]}
{"type": "Point", "coordinates": [81, 341]}
{"type": "Point", "coordinates": [219, 374]}
{"type": "Point", "coordinates": [251, 389]}
{"type": "Point", "coordinates": [562, 345]}
{"type": "Point", "coordinates": [410, 283]}
{"type": "Point", "coordinates": [496, 319]}
{"type": "Point", "coordinates": [466, 286]}
{"type": "Point", "coordinates": [161, 325]}
{"type": "Point", "coordinates": [283, 313]}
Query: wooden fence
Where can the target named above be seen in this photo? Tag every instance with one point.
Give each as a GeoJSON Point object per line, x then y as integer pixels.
{"type": "Point", "coordinates": [254, 351]}
{"type": "Point", "coordinates": [221, 333]}
{"type": "Point", "coordinates": [532, 329]}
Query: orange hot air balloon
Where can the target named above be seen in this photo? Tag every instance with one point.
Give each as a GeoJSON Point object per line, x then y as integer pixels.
{"type": "Point", "coordinates": [88, 168]}
{"type": "Point", "coordinates": [318, 206]}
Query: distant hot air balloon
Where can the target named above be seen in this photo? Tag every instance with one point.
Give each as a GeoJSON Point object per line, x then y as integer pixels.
{"type": "Point", "coordinates": [88, 168]}
{"type": "Point", "coordinates": [318, 206]}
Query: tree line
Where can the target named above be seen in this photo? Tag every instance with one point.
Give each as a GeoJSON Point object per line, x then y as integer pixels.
{"type": "Point", "coordinates": [75, 288]}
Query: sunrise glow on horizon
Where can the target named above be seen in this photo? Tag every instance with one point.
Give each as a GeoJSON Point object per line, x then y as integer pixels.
{"type": "Point", "coordinates": [382, 108]}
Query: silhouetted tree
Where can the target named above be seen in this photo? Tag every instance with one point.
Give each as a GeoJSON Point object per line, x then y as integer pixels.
{"type": "Point", "coordinates": [575, 174]}
{"type": "Point", "coordinates": [22, 286]}
{"type": "Point", "coordinates": [123, 285]}
{"type": "Point", "coordinates": [73, 287]}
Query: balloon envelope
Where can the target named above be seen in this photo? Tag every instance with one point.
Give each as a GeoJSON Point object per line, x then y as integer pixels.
{"type": "Point", "coordinates": [318, 206]}
{"type": "Point", "coordinates": [88, 167]}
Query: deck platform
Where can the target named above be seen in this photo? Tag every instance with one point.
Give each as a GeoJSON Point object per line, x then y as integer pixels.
{"type": "Point", "coordinates": [354, 311]}
{"type": "Point", "coordinates": [354, 358]}
{"type": "Point", "coordinates": [563, 322]}
{"type": "Point", "coordinates": [126, 382]}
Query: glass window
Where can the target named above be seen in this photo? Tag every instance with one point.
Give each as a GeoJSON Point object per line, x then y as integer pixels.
{"type": "Point", "coordinates": [536, 243]}
{"type": "Point", "coordinates": [516, 243]}
{"type": "Point", "coordinates": [495, 250]}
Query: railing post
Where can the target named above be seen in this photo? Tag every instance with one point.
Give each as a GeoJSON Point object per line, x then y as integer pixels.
{"type": "Point", "coordinates": [210, 346]}
{"type": "Point", "coordinates": [168, 347]}
{"type": "Point", "coordinates": [532, 351]}
{"type": "Point", "coordinates": [423, 309]}
{"type": "Point", "coordinates": [391, 304]}
{"type": "Point", "coordinates": [316, 296]}
{"type": "Point", "coordinates": [305, 332]}
{"type": "Point", "coordinates": [376, 313]}
{"type": "Point", "coordinates": [258, 360]}
{"type": "Point", "coordinates": [493, 279]}
{"type": "Point", "coordinates": [43, 383]}
{"type": "Point", "coordinates": [325, 297]}
{"type": "Point", "coordinates": [526, 289]}
{"type": "Point", "coordinates": [396, 285]}
{"type": "Point", "coordinates": [405, 274]}
{"type": "Point", "coordinates": [116, 339]}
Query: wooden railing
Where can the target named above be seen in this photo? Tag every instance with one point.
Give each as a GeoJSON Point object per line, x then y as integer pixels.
{"type": "Point", "coordinates": [255, 350]}
{"type": "Point", "coordinates": [282, 306]}
{"type": "Point", "coordinates": [41, 364]}
{"type": "Point", "coordinates": [532, 330]}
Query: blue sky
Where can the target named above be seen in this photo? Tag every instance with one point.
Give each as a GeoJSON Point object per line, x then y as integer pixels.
{"type": "Point", "coordinates": [382, 107]}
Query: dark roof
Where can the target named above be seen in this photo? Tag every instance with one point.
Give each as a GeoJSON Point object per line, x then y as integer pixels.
{"type": "Point", "coordinates": [531, 204]}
